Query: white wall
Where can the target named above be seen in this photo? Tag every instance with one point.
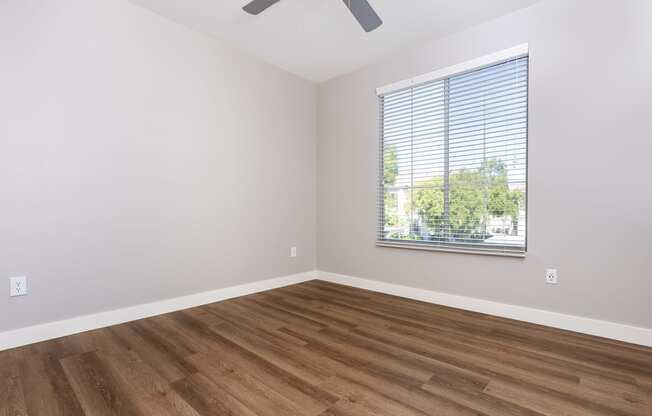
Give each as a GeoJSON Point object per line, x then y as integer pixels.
{"type": "Point", "coordinates": [590, 195]}
{"type": "Point", "coordinates": [141, 161]}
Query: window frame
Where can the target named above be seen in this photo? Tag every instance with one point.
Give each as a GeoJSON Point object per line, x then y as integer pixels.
{"type": "Point", "coordinates": [519, 51]}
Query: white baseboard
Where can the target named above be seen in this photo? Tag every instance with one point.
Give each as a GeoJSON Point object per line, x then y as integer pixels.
{"type": "Point", "coordinates": [51, 330]}
{"type": "Point", "coordinates": [621, 332]}
{"type": "Point", "coordinates": [43, 332]}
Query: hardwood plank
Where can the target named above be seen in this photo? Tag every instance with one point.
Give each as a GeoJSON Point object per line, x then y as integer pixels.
{"type": "Point", "coordinates": [283, 357]}
{"type": "Point", "coordinates": [355, 393]}
{"type": "Point", "coordinates": [356, 357]}
{"type": "Point", "coordinates": [288, 318]}
{"type": "Point", "coordinates": [43, 377]}
{"type": "Point", "coordinates": [97, 388]}
{"type": "Point", "coordinates": [544, 401]}
{"type": "Point", "coordinates": [272, 334]}
{"type": "Point", "coordinates": [319, 348]}
{"type": "Point", "coordinates": [172, 367]}
{"type": "Point", "coordinates": [465, 389]}
{"type": "Point", "coordinates": [289, 385]}
{"type": "Point", "coordinates": [149, 391]}
{"type": "Point", "coordinates": [209, 399]}
{"type": "Point", "coordinates": [12, 399]}
{"type": "Point", "coordinates": [253, 393]}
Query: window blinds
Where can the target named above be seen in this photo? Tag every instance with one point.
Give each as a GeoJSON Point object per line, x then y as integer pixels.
{"type": "Point", "coordinates": [453, 162]}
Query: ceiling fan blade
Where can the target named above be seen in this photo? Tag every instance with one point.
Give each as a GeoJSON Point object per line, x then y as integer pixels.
{"type": "Point", "coordinates": [364, 13]}
{"type": "Point", "coordinates": [258, 6]}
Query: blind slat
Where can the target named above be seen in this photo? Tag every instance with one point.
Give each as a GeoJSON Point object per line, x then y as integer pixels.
{"type": "Point", "coordinates": [453, 161]}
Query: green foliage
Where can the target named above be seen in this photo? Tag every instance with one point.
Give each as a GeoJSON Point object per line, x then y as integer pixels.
{"type": "Point", "coordinates": [429, 203]}
{"type": "Point", "coordinates": [516, 198]}
{"type": "Point", "coordinates": [411, 236]}
{"type": "Point", "coordinates": [467, 208]}
{"type": "Point", "coordinates": [391, 209]}
{"type": "Point", "coordinates": [390, 166]}
{"type": "Point", "coordinates": [390, 172]}
{"type": "Point", "coordinates": [475, 196]}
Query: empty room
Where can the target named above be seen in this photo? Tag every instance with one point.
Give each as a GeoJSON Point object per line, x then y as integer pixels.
{"type": "Point", "coordinates": [325, 207]}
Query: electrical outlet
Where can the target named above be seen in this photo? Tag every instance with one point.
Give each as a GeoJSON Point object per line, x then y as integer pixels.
{"type": "Point", "coordinates": [551, 276]}
{"type": "Point", "coordinates": [18, 286]}
{"type": "Point", "coordinates": [293, 251]}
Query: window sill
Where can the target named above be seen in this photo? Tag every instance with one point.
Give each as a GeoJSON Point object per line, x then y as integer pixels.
{"type": "Point", "coordinates": [424, 247]}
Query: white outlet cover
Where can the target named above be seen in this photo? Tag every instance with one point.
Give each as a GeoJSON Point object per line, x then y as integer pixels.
{"type": "Point", "coordinates": [18, 286]}
{"type": "Point", "coordinates": [551, 276]}
{"type": "Point", "coordinates": [293, 251]}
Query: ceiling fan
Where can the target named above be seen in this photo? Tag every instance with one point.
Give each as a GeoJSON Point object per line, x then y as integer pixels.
{"type": "Point", "coordinates": [361, 10]}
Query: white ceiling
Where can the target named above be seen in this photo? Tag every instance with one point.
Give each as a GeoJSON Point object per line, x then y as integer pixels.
{"type": "Point", "coordinates": [320, 39]}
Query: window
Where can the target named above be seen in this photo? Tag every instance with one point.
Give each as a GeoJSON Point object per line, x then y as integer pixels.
{"type": "Point", "coordinates": [453, 162]}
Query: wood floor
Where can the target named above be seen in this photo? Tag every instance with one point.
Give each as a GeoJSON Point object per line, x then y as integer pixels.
{"type": "Point", "coordinates": [322, 349]}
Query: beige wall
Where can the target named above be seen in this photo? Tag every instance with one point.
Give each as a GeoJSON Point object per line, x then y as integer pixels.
{"type": "Point", "coordinates": [141, 161]}
{"type": "Point", "coordinates": [590, 142]}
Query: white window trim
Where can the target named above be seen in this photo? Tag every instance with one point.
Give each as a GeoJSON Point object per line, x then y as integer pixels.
{"type": "Point", "coordinates": [427, 247]}
{"type": "Point", "coordinates": [472, 65]}
{"type": "Point", "coordinates": [467, 66]}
